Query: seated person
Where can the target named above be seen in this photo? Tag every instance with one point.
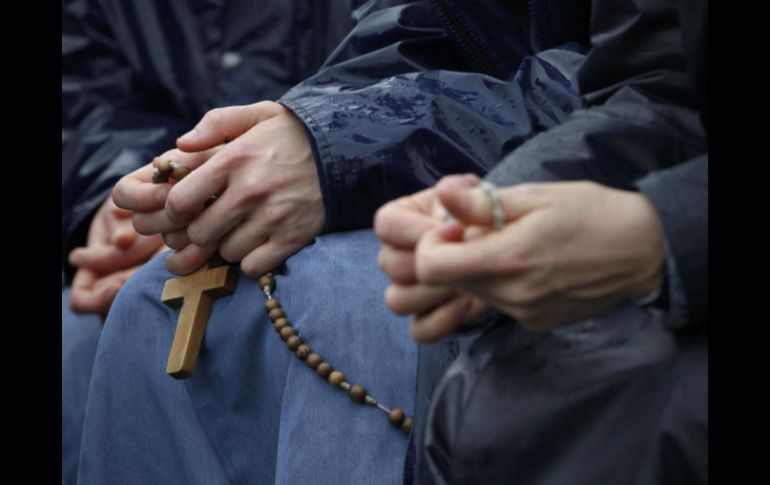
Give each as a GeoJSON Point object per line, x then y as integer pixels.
{"type": "Point", "coordinates": [596, 256]}
{"type": "Point", "coordinates": [397, 106]}
{"type": "Point", "coordinates": [127, 93]}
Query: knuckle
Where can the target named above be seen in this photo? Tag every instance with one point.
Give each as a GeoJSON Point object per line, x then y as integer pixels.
{"type": "Point", "coordinates": [273, 216]}
{"type": "Point", "coordinates": [214, 117]}
{"type": "Point", "coordinates": [252, 189]}
{"type": "Point", "coordinates": [175, 204]}
{"type": "Point", "coordinates": [197, 235]}
{"type": "Point", "coordinates": [427, 270]}
{"type": "Point", "coordinates": [197, 238]}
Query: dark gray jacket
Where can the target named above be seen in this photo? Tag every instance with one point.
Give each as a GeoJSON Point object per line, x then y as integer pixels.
{"type": "Point", "coordinates": [622, 398]}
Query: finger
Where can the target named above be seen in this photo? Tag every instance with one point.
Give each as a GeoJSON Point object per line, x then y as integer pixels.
{"type": "Point", "coordinates": [189, 259]}
{"type": "Point", "coordinates": [443, 258]}
{"type": "Point", "coordinates": [221, 125]}
{"type": "Point", "coordinates": [123, 234]}
{"type": "Point", "coordinates": [176, 240]}
{"type": "Point", "coordinates": [403, 300]}
{"type": "Point", "coordinates": [107, 258]}
{"type": "Point", "coordinates": [190, 160]}
{"type": "Point", "coordinates": [123, 275]}
{"type": "Point", "coordinates": [441, 321]}
{"type": "Point", "coordinates": [398, 264]}
{"type": "Point", "coordinates": [217, 220]}
{"type": "Point", "coordinates": [154, 222]}
{"type": "Point", "coordinates": [241, 241]}
{"type": "Point", "coordinates": [188, 197]}
{"type": "Point", "coordinates": [136, 192]}
{"type": "Point", "coordinates": [401, 226]}
{"type": "Point", "coordinates": [266, 257]}
{"type": "Point", "coordinates": [473, 205]}
{"type": "Point", "coordinates": [85, 297]}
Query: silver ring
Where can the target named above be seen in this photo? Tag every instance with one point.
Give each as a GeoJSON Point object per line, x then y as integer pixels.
{"type": "Point", "coordinates": [498, 216]}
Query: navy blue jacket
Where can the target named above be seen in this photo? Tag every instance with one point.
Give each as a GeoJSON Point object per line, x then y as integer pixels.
{"type": "Point", "coordinates": [136, 74]}
{"type": "Point", "coordinates": [431, 88]}
{"type": "Point", "coordinates": [623, 397]}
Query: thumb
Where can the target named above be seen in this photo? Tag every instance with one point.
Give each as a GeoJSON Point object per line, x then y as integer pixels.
{"type": "Point", "coordinates": [468, 202]}
{"type": "Point", "coordinates": [221, 125]}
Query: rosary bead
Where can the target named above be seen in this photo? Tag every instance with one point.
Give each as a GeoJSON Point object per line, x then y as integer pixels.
{"type": "Point", "coordinates": [267, 280]}
{"type": "Point", "coordinates": [280, 323]}
{"type": "Point", "coordinates": [293, 342]}
{"type": "Point", "coordinates": [158, 178]}
{"type": "Point", "coordinates": [287, 331]}
{"type": "Point", "coordinates": [275, 314]}
{"type": "Point", "coordinates": [324, 369]}
{"type": "Point", "coordinates": [407, 425]}
{"type": "Point", "coordinates": [164, 167]}
{"type": "Point", "coordinates": [314, 360]}
{"type": "Point", "coordinates": [180, 172]}
{"type": "Point", "coordinates": [272, 304]}
{"type": "Point", "coordinates": [303, 351]}
{"type": "Point", "coordinates": [336, 378]}
{"type": "Point", "coordinates": [396, 417]}
{"type": "Point", "coordinates": [357, 393]}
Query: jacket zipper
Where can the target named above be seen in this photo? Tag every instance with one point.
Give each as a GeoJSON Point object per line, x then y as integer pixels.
{"type": "Point", "coordinates": [458, 31]}
{"type": "Point", "coordinates": [537, 34]}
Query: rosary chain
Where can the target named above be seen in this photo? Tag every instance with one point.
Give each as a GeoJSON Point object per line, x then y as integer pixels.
{"type": "Point", "coordinates": [357, 392]}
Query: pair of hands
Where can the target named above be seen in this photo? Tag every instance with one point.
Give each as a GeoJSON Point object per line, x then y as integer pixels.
{"type": "Point", "coordinates": [269, 204]}
{"type": "Point", "coordinates": [114, 251]}
{"type": "Point", "coordinates": [568, 252]}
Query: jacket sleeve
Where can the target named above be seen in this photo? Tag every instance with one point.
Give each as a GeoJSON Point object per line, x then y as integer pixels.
{"type": "Point", "coordinates": [111, 122]}
{"type": "Point", "coordinates": [396, 107]}
{"type": "Point", "coordinates": [641, 128]}
{"type": "Point", "coordinates": [680, 197]}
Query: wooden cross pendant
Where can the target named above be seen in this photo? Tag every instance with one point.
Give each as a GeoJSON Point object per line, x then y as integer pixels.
{"type": "Point", "coordinates": [195, 293]}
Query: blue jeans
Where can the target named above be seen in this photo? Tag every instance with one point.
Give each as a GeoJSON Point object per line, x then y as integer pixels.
{"type": "Point", "coordinates": [252, 412]}
{"type": "Point", "coordinates": [79, 337]}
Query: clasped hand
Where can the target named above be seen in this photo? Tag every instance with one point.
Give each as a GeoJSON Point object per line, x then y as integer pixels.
{"type": "Point", "coordinates": [257, 161]}
{"type": "Point", "coordinates": [568, 251]}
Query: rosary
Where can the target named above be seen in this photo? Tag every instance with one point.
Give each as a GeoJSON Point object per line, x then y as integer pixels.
{"type": "Point", "coordinates": [195, 293]}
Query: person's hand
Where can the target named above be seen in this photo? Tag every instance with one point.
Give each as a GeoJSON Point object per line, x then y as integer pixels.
{"type": "Point", "coordinates": [114, 251]}
{"type": "Point", "coordinates": [146, 202]}
{"type": "Point", "coordinates": [568, 252]}
{"type": "Point", "coordinates": [399, 225]}
{"type": "Point", "coordinates": [269, 202]}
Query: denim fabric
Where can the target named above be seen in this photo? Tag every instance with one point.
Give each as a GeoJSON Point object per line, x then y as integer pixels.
{"type": "Point", "coordinates": [252, 412]}
{"type": "Point", "coordinates": [79, 337]}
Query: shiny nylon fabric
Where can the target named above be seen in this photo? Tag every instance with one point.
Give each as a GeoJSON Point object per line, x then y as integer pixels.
{"type": "Point", "coordinates": [621, 398]}
{"type": "Point", "coordinates": [397, 105]}
{"type": "Point", "coordinates": [137, 74]}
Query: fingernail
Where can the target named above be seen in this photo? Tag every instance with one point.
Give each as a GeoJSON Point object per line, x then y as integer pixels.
{"type": "Point", "coordinates": [190, 135]}
{"type": "Point", "coordinates": [74, 257]}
